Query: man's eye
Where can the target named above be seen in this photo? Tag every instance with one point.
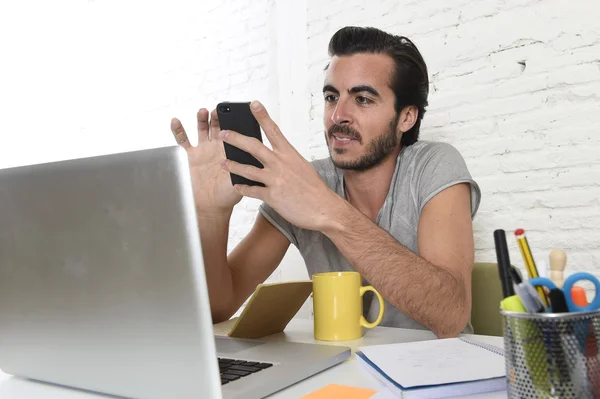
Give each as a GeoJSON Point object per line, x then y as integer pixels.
{"type": "Point", "coordinates": [363, 100]}
{"type": "Point", "coordinates": [330, 98]}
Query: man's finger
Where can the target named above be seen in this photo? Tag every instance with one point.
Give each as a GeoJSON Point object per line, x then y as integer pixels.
{"type": "Point", "coordinates": [179, 133]}
{"type": "Point", "coordinates": [270, 128]}
{"type": "Point", "coordinates": [215, 127]}
{"type": "Point", "coordinates": [248, 171]}
{"type": "Point", "coordinates": [257, 192]}
{"type": "Point", "coordinates": [203, 131]}
{"type": "Point", "coordinates": [249, 144]}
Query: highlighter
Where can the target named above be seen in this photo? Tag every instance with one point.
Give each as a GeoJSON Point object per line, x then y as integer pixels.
{"type": "Point", "coordinates": [512, 304]}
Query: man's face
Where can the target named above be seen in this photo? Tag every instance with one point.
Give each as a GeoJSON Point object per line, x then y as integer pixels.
{"type": "Point", "coordinates": [360, 119]}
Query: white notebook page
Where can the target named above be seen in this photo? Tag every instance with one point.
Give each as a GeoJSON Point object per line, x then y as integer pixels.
{"type": "Point", "coordinates": [434, 362]}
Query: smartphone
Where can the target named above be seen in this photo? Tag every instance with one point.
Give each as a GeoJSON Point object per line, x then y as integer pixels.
{"type": "Point", "coordinates": [237, 116]}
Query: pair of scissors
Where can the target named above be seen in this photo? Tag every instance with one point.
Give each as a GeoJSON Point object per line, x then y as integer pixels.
{"type": "Point", "coordinates": [568, 286]}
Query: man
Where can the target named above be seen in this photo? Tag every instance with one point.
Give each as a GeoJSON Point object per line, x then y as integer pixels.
{"type": "Point", "coordinates": [384, 204]}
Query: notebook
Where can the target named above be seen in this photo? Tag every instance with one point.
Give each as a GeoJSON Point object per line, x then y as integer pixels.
{"type": "Point", "coordinates": [439, 368]}
{"type": "Point", "coordinates": [270, 309]}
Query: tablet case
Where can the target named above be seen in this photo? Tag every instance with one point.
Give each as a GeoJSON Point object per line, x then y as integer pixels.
{"type": "Point", "coordinates": [270, 309]}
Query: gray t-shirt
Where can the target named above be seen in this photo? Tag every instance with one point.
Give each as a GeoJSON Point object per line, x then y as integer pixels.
{"type": "Point", "coordinates": [422, 171]}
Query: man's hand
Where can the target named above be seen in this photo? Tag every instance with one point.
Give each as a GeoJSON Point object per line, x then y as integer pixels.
{"type": "Point", "coordinates": [292, 186]}
{"type": "Point", "coordinates": [213, 192]}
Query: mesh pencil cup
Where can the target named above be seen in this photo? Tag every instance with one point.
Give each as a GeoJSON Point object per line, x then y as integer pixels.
{"type": "Point", "coordinates": [552, 355]}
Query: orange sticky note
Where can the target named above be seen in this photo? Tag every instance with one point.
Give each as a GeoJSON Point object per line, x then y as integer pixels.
{"type": "Point", "coordinates": [334, 391]}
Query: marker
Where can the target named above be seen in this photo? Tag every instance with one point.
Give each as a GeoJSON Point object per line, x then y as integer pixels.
{"type": "Point", "coordinates": [558, 301]}
{"type": "Point", "coordinates": [503, 263]}
{"type": "Point", "coordinates": [513, 304]}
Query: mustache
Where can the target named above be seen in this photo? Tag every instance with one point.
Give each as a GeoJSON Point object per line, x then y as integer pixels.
{"type": "Point", "coordinates": [346, 131]}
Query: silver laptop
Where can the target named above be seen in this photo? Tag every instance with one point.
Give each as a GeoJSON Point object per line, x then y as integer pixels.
{"type": "Point", "coordinates": [102, 286]}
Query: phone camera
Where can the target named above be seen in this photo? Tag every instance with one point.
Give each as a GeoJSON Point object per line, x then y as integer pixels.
{"type": "Point", "coordinates": [225, 108]}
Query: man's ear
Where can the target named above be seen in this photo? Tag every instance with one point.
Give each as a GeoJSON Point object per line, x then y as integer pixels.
{"type": "Point", "coordinates": [408, 118]}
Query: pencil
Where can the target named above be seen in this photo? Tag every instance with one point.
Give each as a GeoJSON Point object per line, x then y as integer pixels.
{"type": "Point", "coordinates": [528, 259]}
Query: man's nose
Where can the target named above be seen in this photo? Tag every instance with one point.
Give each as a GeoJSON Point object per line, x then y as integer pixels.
{"type": "Point", "coordinates": [341, 115]}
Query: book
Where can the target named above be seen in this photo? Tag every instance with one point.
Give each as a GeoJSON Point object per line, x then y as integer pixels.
{"type": "Point", "coordinates": [438, 368]}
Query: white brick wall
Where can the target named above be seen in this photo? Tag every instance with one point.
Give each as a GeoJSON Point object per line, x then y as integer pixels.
{"type": "Point", "coordinates": [82, 78]}
{"type": "Point", "coordinates": [530, 133]}
{"type": "Point", "coordinates": [514, 86]}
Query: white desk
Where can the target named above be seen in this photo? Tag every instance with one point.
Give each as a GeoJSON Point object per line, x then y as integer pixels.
{"type": "Point", "coordinates": [349, 373]}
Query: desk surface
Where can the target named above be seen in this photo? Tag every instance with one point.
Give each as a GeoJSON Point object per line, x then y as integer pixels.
{"type": "Point", "coordinates": [349, 372]}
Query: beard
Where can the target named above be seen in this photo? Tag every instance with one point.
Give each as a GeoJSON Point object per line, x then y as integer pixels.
{"type": "Point", "coordinates": [377, 150]}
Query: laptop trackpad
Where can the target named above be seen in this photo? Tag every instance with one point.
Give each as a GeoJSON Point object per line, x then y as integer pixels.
{"type": "Point", "coordinates": [231, 346]}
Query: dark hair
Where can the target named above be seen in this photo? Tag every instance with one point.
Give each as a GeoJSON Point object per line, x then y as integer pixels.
{"type": "Point", "coordinates": [409, 81]}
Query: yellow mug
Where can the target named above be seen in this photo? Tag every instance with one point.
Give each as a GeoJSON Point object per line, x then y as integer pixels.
{"type": "Point", "coordinates": [338, 306]}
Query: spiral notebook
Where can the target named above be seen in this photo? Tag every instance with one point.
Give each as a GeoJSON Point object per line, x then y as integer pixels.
{"type": "Point", "coordinates": [438, 368]}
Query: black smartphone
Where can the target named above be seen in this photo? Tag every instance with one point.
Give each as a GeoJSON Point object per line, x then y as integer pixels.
{"type": "Point", "coordinates": [237, 116]}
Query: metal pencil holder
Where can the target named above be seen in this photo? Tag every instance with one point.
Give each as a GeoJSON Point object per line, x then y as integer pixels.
{"type": "Point", "coordinates": [552, 355]}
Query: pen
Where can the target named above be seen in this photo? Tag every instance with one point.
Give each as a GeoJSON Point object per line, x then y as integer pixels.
{"type": "Point", "coordinates": [528, 259]}
{"type": "Point", "coordinates": [526, 293]}
{"type": "Point", "coordinates": [503, 262]}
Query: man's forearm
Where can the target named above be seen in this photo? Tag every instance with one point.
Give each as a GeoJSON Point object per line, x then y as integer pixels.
{"type": "Point", "coordinates": [425, 292]}
{"type": "Point", "coordinates": [214, 232]}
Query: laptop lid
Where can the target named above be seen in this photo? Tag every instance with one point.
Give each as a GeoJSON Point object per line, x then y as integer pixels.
{"type": "Point", "coordinates": [102, 283]}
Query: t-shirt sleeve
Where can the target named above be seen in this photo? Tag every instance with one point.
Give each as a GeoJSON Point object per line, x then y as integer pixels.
{"type": "Point", "coordinates": [442, 166]}
{"type": "Point", "coordinates": [285, 227]}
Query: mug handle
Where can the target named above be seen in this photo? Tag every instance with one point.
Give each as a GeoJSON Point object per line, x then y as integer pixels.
{"type": "Point", "coordinates": [363, 321]}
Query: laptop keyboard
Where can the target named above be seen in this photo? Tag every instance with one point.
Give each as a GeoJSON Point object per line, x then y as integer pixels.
{"type": "Point", "coordinates": [232, 369]}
